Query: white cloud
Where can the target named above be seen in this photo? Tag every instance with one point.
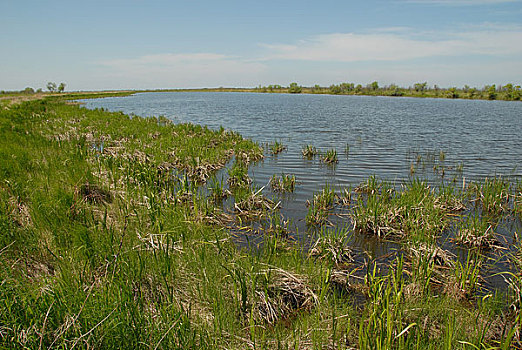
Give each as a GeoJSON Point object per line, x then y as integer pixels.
{"type": "Point", "coordinates": [182, 70]}
{"type": "Point", "coordinates": [474, 55]}
{"type": "Point", "coordinates": [402, 45]}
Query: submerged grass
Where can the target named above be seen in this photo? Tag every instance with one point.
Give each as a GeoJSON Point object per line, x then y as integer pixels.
{"type": "Point", "coordinates": [108, 242]}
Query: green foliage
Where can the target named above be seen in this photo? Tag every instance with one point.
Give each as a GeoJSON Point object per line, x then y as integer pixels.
{"type": "Point", "coordinates": [51, 86]}
{"type": "Point", "coordinates": [276, 147]}
{"type": "Point", "coordinates": [309, 151]}
{"type": "Point", "coordinates": [330, 157]}
{"type": "Point", "coordinates": [294, 88]}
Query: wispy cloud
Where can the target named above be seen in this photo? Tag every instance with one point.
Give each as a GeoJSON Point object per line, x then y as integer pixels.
{"type": "Point", "coordinates": [475, 54]}
{"type": "Point", "coordinates": [184, 70]}
{"type": "Point", "coordinates": [401, 45]}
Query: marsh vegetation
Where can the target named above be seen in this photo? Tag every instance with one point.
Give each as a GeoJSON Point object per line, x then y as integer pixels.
{"type": "Point", "coordinates": [121, 232]}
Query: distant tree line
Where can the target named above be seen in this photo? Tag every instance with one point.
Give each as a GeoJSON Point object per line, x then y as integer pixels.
{"type": "Point", "coordinates": [508, 92]}
{"type": "Point", "coordinates": [52, 87]}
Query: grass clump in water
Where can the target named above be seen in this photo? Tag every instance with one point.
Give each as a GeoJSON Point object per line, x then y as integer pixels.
{"type": "Point", "coordinates": [309, 151]}
{"type": "Point", "coordinates": [330, 157]}
{"type": "Point", "coordinates": [491, 194]}
{"type": "Point", "coordinates": [276, 147]}
{"type": "Point", "coordinates": [319, 207]}
{"type": "Point", "coordinates": [283, 183]}
{"type": "Point", "coordinates": [477, 232]}
{"type": "Point", "coordinates": [383, 212]}
{"type": "Point", "coordinates": [332, 245]}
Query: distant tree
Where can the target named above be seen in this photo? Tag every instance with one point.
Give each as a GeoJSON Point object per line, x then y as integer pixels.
{"type": "Point", "coordinates": [294, 88]}
{"type": "Point", "coordinates": [358, 88]}
{"type": "Point", "coordinates": [517, 94]}
{"type": "Point", "coordinates": [61, 88]}
{"type": "Point", "coordinates": [508, 88]}
{"type": "Point", "coordinates": [51, 86]}
{"type": "Point", "coordinates": [28, 90]}
{"type": "Point", "coordinates": [420, 87]}
{"type": "Point", "coordinates": [335, 89]}
{"type": "Point", "coordinates": [394, 90]}
{"type": "Point", "coordinates": [453, 93]}
{"type": "Point", "coordinates": [491, 92]}
{"type": "Point", "coordinates": [374, 86]}
{"type": "Point", "coordinates": [316, 88]}
{"type": "Point", "coordinates": [347, 87]}
{"type": "Point", "coordinates": [472, 92]}
{"type": "Point", "coordinates": [39, 90]}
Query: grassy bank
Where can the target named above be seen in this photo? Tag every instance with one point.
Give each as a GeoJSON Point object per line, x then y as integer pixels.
{"type": "Point", "coordinates": [108, 242]}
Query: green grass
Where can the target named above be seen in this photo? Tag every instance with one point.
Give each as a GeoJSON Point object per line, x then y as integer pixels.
{"type": "Point", "coordinates": [492, 194]}
{"type": "Point", "coordinates": [283, 183]}
{"type": "Point", "coordinates": [321, 204]}
{"type": "Point", "coordinates": [276, 147]}
{"type": "Point", "coordinates": [309, 151]}
{"type": "Point", "coordinates": [330, 157]}
{"type": "Point", "coordinates": [108, 242]}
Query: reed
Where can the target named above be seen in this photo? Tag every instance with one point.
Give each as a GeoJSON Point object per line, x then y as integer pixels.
{"type": "Point", "coordinates": [309, 151]}
{"type": "Point", "coordinates": [319, 207]}
{"type": "Point", "coordinates": [276, 147]}
{"type": "Point", "coordinates": [283, 183]}
{"type": "Point", "coordinates": [492, 194]}
{"type": "Point", "coordinates": [330, 157]}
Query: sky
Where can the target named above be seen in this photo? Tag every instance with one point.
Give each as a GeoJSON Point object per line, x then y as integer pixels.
{"type": "Point", "coordinates": [153, 44]}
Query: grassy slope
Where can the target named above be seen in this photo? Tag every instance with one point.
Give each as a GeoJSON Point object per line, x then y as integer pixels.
{"type": "Point", "coordinates": [136, 259]}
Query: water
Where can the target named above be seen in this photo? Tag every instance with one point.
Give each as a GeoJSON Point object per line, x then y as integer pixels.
{"type": "Point", "coordinates": [382, 132]}
{"type": "Point", "coordinates": [438, 139]}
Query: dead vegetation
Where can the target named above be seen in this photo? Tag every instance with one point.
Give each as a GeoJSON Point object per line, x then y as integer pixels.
{"type": "Point", "coordinates": [94, 194]}
{"type": "Point", "coordinates": [255, 205]}
{"type": "Point", "coordinates": [19, 212]}
{"type": "Point", "coordinates": [283, 297]}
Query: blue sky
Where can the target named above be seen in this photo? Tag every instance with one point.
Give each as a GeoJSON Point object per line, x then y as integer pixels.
{"type": "Point", "coordinates": [93, 45]}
